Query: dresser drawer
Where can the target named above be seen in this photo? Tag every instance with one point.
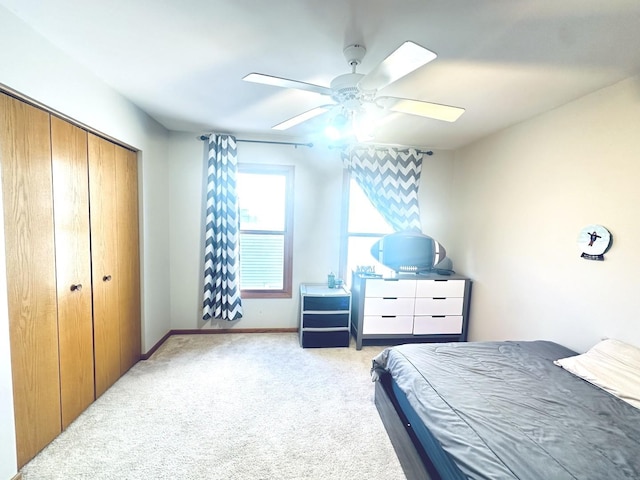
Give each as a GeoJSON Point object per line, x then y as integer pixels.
{"type": "Point", "coordinates": [328, 303]}
{"type": "Point", "coordinates": [434, 325]}
{"type": "Point", "coordinates": [325, 320]}
{"type": "Point", "coordinates": [440, 288]}
{"type": "Point", "coordinates": [383, 325]}
{"type": "Point", "coordinates": [439, 306]}
{"type": "Point", "coordinates": [378, 287]}
{"type": "Point", "coordinates": [388, 306]}
{"type": "Point", "coordinates": [325, 339]}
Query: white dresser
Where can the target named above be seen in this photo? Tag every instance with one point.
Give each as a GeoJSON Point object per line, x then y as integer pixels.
{"type": "Point", "coordinates": [409, 308]}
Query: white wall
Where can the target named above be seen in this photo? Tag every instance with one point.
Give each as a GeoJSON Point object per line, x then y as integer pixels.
{"type": "Point", "coordinates": [523, 195]}
{"type": "Point", "coordinates": [35, 68]}
{"type": "Point", "coordinates": [317, 200]}
{"type": "Point", "coordinates": [436, 196]}
{"type": "Point", "coordinates": [317, 210]}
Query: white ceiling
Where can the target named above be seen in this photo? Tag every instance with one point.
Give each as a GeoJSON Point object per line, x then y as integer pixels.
{"type": "Point", "coordinates": [182, 61]}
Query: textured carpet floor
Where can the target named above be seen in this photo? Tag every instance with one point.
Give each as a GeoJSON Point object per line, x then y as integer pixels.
{"type": "Point", "coordinates": [232, 407]}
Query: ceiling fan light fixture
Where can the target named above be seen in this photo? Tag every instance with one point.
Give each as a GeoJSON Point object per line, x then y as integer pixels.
{"type": "Point", "coordinates": [358, 124]}
{"type": "Point", "coordinates": [341, 121]}
{"type": "Point", "coordinates": [332, 132]}
{"type": "Point", "coordinates": [339, 127]}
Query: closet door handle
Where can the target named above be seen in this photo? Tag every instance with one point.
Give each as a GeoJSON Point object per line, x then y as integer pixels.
{"type": "Point", "coordinates": [106, 278]}
{"type": "Point", "coordinates": [76, 287]}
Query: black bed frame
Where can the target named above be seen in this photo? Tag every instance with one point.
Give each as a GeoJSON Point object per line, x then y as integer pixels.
{"type": "Point", "coordinates": [413, 458]}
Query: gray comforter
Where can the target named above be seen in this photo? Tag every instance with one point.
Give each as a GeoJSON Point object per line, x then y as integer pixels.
{"type": "Point", "coordinates": [503, 410]}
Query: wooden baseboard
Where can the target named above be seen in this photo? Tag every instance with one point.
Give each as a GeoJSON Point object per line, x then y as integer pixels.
{"type": "Point", "coordinates": [208, 331]}
{"type": "Point", "coordinates": [145, 356]}
{"type": "Point", "coordinates": [18, 476]}
{"type": "Point", "coordinates": [211, 331]}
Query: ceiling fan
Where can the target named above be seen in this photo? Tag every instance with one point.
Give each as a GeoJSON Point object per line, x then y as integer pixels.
{"type": "Point", "coordinates": [356, 95]}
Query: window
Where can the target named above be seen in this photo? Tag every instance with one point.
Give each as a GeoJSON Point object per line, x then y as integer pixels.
{"type": "Point", "coordinates": [265, 199]}
{"type": "Point", "coordinates": [362, 227]}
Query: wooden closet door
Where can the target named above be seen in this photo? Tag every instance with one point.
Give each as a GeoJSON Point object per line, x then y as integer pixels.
{"type": "Point", "coordinates": [25, 155]}
{"type": "Point", "coordinates": [104, 244]}
{"type": "Point", "coordinates": [128, 257]}
{"type": "Point", "coordinates": [73, 267]}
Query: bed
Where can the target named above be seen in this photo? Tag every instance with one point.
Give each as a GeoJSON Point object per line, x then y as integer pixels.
{"type": "Point", "coordinates": [505, 410]}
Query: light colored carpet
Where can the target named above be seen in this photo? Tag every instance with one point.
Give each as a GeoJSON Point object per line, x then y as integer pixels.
{"type": "Point", "coordinates": [232, 407]}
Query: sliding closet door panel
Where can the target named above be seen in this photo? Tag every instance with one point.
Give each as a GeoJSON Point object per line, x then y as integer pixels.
{"type": "Point", "coordinates": [128, 257]}
{"type": "Point", "coordinates": [25, 155]}
{"type": "Point", "coordinates": [102, 206]}
{"type": "Point", "coordinates": [73, 267]}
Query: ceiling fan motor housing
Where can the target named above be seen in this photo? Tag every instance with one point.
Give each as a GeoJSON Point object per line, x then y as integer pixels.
{"type": "Point", "coordinates": [345, 89]}
{"type": "Point", "coordinates": [354, 54]}
{"type": "Point", "coordinates": [345, 92]}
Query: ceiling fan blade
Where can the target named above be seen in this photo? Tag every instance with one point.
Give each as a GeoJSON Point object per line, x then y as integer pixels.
{"type": "Point", "coordinates": [286, 83]}
{"type": "Point", "coordinates": [303, 117]}
{"type": "Point", "coordinates": [422, 109]}
{"type": "Point", "coordinates": [405, 59]}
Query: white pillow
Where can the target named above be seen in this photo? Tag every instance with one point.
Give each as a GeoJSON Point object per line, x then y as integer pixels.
{"type": "Point", "coordinates": [611, 365]}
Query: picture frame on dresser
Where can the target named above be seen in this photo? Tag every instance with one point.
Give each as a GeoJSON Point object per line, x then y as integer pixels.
{"type": "Point", "coordinates": [409, 308]}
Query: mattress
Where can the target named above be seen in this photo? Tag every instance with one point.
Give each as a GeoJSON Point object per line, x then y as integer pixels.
{"type": "Point", "coordinates": [503, 410]}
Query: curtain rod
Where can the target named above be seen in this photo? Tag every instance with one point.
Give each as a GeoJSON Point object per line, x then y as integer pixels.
{"type": "Point", "coordinates": [426, 152]}
{"type": "Point", "coordinates": [295, 144]}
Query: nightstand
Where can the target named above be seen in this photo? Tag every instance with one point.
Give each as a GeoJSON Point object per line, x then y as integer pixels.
{"type": "Point", "coordinates": [325, 316]}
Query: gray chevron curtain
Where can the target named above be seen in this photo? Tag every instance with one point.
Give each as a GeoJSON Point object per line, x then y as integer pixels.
{"type": "Point", "coordinates": [390, 178]}
{"type": "Point", "coordinates": [221, 266]}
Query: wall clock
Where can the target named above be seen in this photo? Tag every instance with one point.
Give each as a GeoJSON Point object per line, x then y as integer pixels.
{"type": "Point", "coordinates": [594, 241]}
